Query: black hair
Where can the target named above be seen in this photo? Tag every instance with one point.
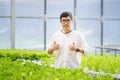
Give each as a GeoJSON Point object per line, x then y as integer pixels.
{"type": "Point", "coordinates": [66, 14]}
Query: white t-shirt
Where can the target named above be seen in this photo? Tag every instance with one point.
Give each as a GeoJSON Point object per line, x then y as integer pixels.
{"type": "Point", "coordinates": [65, 57]}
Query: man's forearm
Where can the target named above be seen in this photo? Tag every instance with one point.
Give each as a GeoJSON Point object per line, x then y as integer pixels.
{"type": "Point", "coordinates": [82, 51]}
{"type": "Point", "coordinates": [50, 50]}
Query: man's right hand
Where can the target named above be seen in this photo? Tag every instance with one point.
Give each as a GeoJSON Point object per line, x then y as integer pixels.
{"type": "Point", "coordinates": [54, 47]}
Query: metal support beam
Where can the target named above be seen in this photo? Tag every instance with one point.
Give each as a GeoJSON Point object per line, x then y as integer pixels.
{"type": "Point", "coordinates": [75, 14]}
{"type": "Point", "coordinates": [102, 29]}
{"type": "Point", "coordinates": [13, 24]}
{"type": "Point", "coordinates": [45, 24]}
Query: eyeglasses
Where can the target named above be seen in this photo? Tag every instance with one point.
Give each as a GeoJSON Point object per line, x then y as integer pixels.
{"type": "Point", "coordinates": [65, 20]}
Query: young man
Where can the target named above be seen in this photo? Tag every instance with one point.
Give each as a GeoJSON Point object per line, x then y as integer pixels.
{"type": "Point", "coordinates": [69, 45]}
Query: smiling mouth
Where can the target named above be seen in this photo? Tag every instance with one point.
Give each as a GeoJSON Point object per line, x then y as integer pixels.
{"type": "Point", "coordinates": [66, 25]}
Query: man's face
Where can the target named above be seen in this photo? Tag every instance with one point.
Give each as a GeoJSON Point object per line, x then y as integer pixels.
{"type": "Point", "coordinates": [66, 21]}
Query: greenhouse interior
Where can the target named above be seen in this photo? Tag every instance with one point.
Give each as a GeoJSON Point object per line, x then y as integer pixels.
{"type": "Point", "coordinates": [27, 27]}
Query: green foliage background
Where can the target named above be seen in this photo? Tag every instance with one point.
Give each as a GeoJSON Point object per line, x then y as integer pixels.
{"type": "Point", "coordinates": [14, 66]}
